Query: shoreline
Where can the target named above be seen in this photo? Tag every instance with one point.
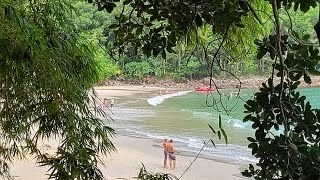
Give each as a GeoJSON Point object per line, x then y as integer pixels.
{"type": "Point", "coordinates": [133, 151]}
{"type": "Point", "coordinates": [247, 82]}
{"type": "Point", "coordinates": [154, 156]}
{"type": "Point", "coordinates": [155, 141]}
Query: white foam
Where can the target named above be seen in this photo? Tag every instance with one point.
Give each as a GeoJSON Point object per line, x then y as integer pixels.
{"type": "Point", "coordinates": [159, 99]}
{"type": "Point", "coordinates": [238, 123]}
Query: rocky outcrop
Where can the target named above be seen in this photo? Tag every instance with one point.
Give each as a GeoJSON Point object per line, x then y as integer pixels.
{"type": "Point", "coordinates": [221, 83]}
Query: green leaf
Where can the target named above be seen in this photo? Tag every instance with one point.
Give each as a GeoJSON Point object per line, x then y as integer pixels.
{"type": "Point", "coordinates": [164, 54]}
{"type": "Point", "coordinates": [297, 76]}
{"type": "Point", "coordinates": [251, 139]}
{"type": "Point", "coordinates": [219, 135]}
{"type": "Point", "coordinates": [246, 173]}
{"type": "Point", "coordinates": [220, 126]}
{"type": "Point", "coordinates": [261, 52]}
{"type": "Point", "coordinates": [109, 7]}
{"type": "Point", "coordinates": [251, 168]}
{"type": "Point", "coordinates": [239, 25]}
{"type": "Point", "coordinates": [155, 52]}
{"type": "Point", "coordinates": [198, 20]}
{"type": "Point", "coordinates": [255, 125]}
{"type": "Point", "coordinates": [252, 145]}
{"type": "Point", "coordinates": [272, 53]}
{"type": "Point", "coordinates": [307, 79]}
{"type": "Point", "coordinates": [304, 6]}
{"type": "Point", "coordinates": [243, 6]}
{"type": "Point", "coordinates": [306, 37]}
{"type": "Point", "coordinates": [257, 42]}
{"type": "Point", "coordinates": [147, 50]}
{"type": "Point", "coordinates": [213, 143]}
{"type": "Point", "coordinates": [295, 85]}
{"type": "Point", "coordinates": [126, 2]}
{"type": "Point", "coordinates": [113, 26]}
{"type": "Point", "coordinates": [224, 135]}
{"type": "Point", "coordinates": [247, 118]}
{"type": "Point", "coordinates": [296, 6]}
{"type": "Point", "coordinates": [212, 129]}
{"type": "Point", "coordinates": [139, 31]}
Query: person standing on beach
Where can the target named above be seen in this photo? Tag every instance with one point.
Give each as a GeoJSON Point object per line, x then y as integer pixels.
{"type": "Point", "coordinates": [112, 102]}
{"type": "Point", "coordinates": [165, 151]}
{"type": "Point", "coordinates": [172, 156]}
{"type": "Point", "coordinates": [105, 102]}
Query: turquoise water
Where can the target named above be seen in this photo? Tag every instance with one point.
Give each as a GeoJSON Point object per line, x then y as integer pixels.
{"type": "Point", "coordinates": [185, 116]}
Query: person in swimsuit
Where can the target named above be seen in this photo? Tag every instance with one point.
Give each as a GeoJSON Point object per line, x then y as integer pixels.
{"type": "Point", "coordinates": [112, 102]}
{"type": "Point", "coordinates": [105, 102]}
{"type": "Point", "coordinates": [172, 156]}
{"type": "Point", "coordinates": [165, 151]}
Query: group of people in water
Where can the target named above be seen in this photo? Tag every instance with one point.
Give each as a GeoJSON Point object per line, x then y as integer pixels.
{"type": "Point", "coordinates": [165, 92]}
{"type": "Point", "coordinates": [104, 103]}
{"type": "Point", "coordinates": [169, 153]}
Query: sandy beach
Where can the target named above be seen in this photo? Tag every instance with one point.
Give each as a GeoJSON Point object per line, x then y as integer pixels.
{"type": "Point", "coordinates": [132, 152]}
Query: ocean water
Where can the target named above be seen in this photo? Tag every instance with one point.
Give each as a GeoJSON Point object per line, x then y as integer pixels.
{"type": "Point", "coordinates": [184, 117]}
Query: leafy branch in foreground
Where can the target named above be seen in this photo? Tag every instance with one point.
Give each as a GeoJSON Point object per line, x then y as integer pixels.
{"type": "Point", "coordinates": [218, 132]}
{"type": "Point", "coordinates": [146, 175]}
{"type": "Point", "coordinates": [287, 127]}
{"type": "Point", "coordinates": [46, 72]}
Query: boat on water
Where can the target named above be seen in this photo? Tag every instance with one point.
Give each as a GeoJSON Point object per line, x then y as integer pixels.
{"type": "Point", "coordinates": [204, 89]}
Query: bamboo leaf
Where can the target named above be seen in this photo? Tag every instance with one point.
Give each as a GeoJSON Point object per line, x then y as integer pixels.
{"type": "Point", "coordinates": [212, 129]}
{"type": "Point", "coordinates": [224, 135]}
{"type": "Point", "coordinates": [213, 143]}
{"type": "Point", "coordinates": [219, 135]}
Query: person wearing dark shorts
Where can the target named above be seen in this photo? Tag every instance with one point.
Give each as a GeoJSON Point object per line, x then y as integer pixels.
{"type": "Point", "coordinates": [172, 156]}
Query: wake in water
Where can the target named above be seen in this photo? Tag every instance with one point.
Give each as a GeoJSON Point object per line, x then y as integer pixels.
{"type": "Point", "coordinates": [159, 99]}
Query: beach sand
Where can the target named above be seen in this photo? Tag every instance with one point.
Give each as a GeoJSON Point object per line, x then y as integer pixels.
{"type": "Point", "coordinates": [132, 152]}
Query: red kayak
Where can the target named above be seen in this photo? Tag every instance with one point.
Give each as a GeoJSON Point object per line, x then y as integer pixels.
{"type": "Point", "coordinates": [204, 89]}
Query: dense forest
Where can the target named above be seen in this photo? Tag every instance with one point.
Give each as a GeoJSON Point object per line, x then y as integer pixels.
{"type": "Point", "coordinates": [188, 60]}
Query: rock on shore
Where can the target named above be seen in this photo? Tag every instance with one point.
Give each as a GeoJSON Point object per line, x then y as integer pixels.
{"type": "Point", "coordinates": [221, 83]}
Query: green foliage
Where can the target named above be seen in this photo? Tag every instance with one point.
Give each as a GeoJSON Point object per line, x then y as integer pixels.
{"type": "Point", "coordinates": [190, 68]}
{"type": "Point", "coordinates": [297, 144]}
{"type": "Point", "coordinates": [88, 18]}
{"type": "Point", "coordinates": [219, 132]}
{"type": "Point", "coordinates": [137, 69]}
{"type": "Point", "coordinates": [106, 67]}
{"type": "Point", "coordinates": [292, 152]}
{"type": "Point", "coordinates": [302, 22]}
{"type": "Point", "coordinates": [136, 26]}
{"type": "Point", "coordinates": [145, 175]}
{"type": "Point", "coordinates": [91, 23]}
{"type": "Point", "coordinates": [148, 28]}
{"type": "Point", "coordinates": [46, 71]}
